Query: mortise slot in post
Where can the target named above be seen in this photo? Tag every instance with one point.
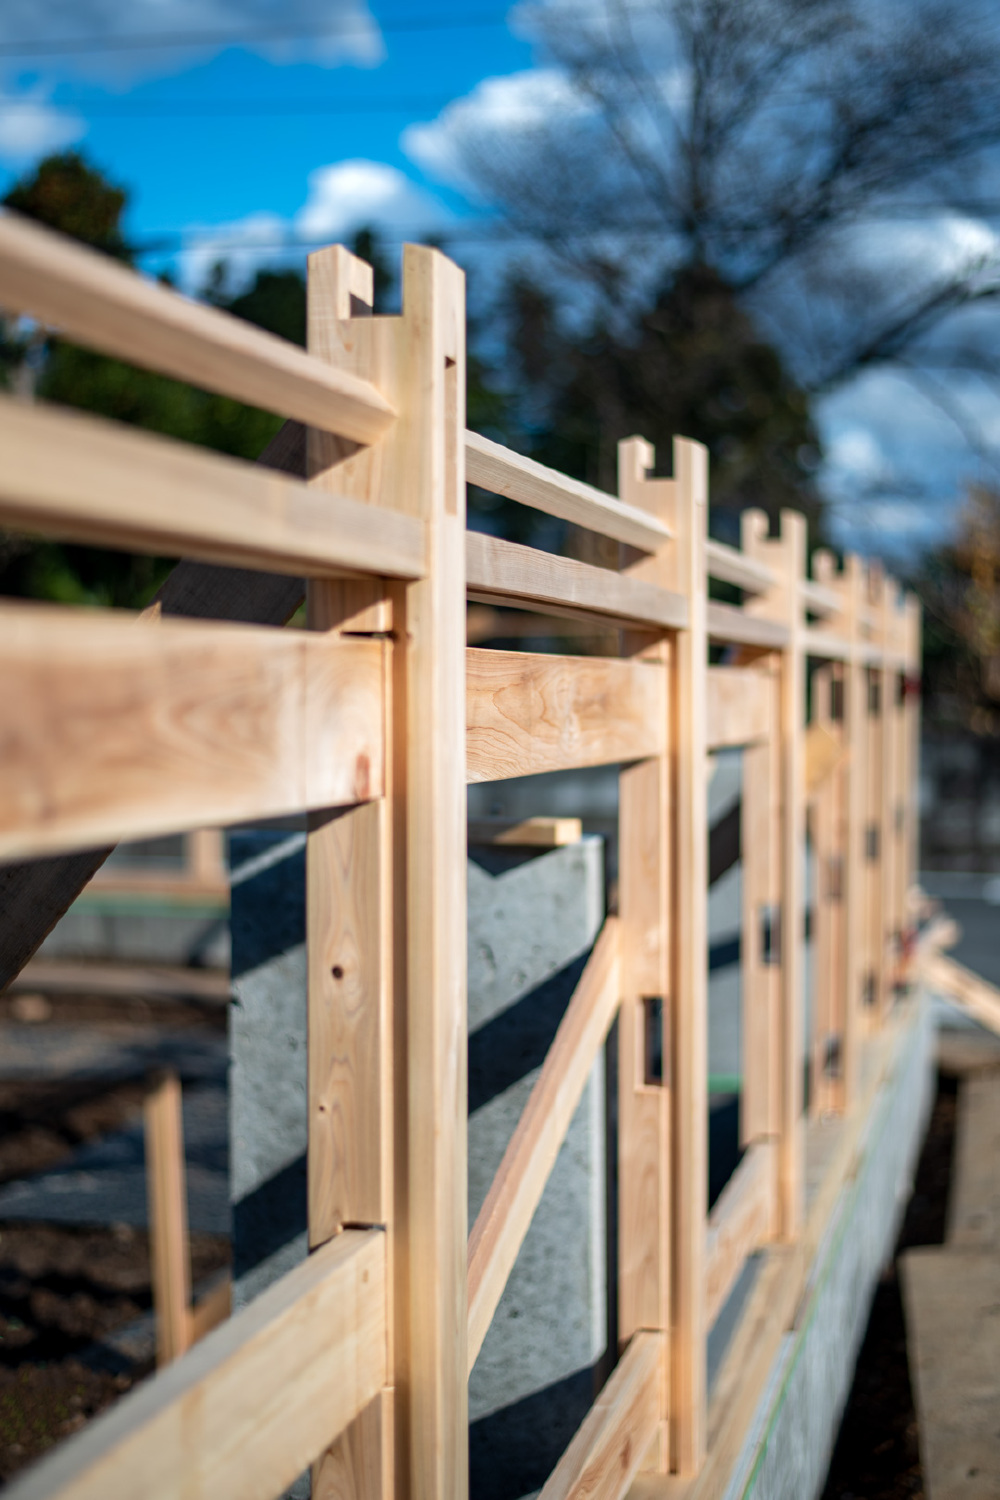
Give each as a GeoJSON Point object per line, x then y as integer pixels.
{"type": "Point", "coordinates": [837, 700]}
{"type": "Point", "coordinates": [835, 878]}
{"type": "Point", "coordinates": [770, 934]}
{"type": "Point", "coordinates": [653, 1038]}
{"type": "Point", "coordinates": [871, 842]}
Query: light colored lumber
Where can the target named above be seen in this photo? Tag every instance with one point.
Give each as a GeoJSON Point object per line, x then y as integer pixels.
{"type": "Point", "coordinates": [501, 572]}
{"type": "Point", "coordinates": [503, 472]}
{"type": "Point", "coordinates": [951, 1298]}
{"type": "Point", "coordinates": [252, 1404]}
{"type": "Point", "coordinates": [786, 555]}
{"type": "Point", "coordinates": [818, 599]}
{"type": "Point", "coordinates": [212, 1309]}
{"type": "Point", "coordinates": [166, 1190]}
{"type": "Point", "coordinates": [824, 645]}
{"type": "Point", "coordinates": [93, 301]}
{"type": "Point", "coordinates": [689, 1069]}
{"type": "Point", "coordinates": [729, 625]}
{"type": "Point", "coordinates": [980, 999]}
{"type": "Point", "coordinates": [117, 728]}
{"type": "Point", "coordinates": [88, 480]}
{"type": "Point", "coordinates": [738, 706]}
{"type": "Point", "coordinates": [354, 918]}
{"type": "Point", "coordinates": [57, 976]}
{"type": "Point", "coordinates": [974, 1196]}
{"type": "Point", "coordinates": [531, 1153]}
{"type": "Point", "coordinates": [528, 713]}
{"type": "Point", "coordinates": [526, 833]}
{"type": "Point", "coordinates": [604, 1456]}
{"type": "Point", "coordinates": [742, 1219]}
{"type": "Point", "coordinates": [824, 752]}
{"type": "Point", "coordinates": [729, 565]}
{"type": "Point", "coordinates": [760, 972]}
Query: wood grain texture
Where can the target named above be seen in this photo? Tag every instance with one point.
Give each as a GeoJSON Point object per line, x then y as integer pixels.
{"type": "Point", "coordinates": [166, 1190]}
{"type": "Point", "coordinates": [251, 1405]}
{"type": "Point", "coordinates": [74, 476]}
{"type": "Point", "coordinates": [104, 306]}
{"type": "Point", "coordinates": [743, 1219]}
{"type": "Point", "coordinates": [531, 1153]}
{"type": "Point", "coordinates": [528, 713]}
{"type": "Point", "coordinates": [501, 572]}
{"type": "Point", "coordinates": [738, 708]}
{"type": "Point", "coordinates": [503, 472]}
{"type": "Point", "coordinates": [118, 728]}
{"type": "Point", "coordinates": [973, 994]}
{"type": "Point", "coordinates": [526, 833]}
{"type": "Point", "coordinates": [760, 963]}
{"type": "Point", "coordinates": [729, 565]}
{"type": "Point", "coordinates": [728, 625]}
{"type": "Point", "coordinates": [604, 1456]}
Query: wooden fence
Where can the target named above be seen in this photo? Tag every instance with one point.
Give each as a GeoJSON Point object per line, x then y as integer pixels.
{"type": "Point", "coordinates": [374, 721]}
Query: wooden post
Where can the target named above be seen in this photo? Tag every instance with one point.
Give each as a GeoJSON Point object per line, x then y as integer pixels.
{"type": "Point", "coordinates": [166, 1188]}
{"type": "Point", "coordinates": [760, 954]}
{"type": "Point", "coordinates": [856, 731]}
{"type": "Point", "coordinates": [418, 362]}
{"type": "Point", "coordinates": [644, 1079]}
{"type": "Point", "coordinates": [786, 555]}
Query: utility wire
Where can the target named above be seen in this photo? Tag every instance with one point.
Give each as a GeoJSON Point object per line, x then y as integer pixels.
{"type": "Point", "coordinates": [55, 46]}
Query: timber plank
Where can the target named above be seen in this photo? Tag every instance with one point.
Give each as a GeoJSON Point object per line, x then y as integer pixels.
{"type": "Point", "coordinates": [74, 476]}
{"type": "Point", "coordinates": [104, 306]}
{"type": "Point", "coordinates": [742, 1220]}
{"type": "Point", "coordinates": [113, 727]}
{"type": "Point", "coordinates": [604, 1456]}
{"type": "Point", "coordinates": [531, 1153]}
{"type": "Point", "coordinates": [250, 1406]}
{"type": "Point", "coordinates": [738, 707]}
{"type": "Point", "coordinates": [528, 713]}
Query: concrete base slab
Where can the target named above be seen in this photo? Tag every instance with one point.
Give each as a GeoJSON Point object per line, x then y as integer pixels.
{"type": "Point", "coordinates": [952, 1303]}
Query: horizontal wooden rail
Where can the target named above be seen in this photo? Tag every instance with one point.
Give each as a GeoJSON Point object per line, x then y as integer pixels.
{"type": "Point", "coordinates": [742, 1220]}
{"type": "Point", "coordinates": [77, 477]}
{"type": "Point", "coordinates": [530, 713]}
{"type": "Point", "coordinates": [94, 301]}
{"type": "Point", "coordinates": [604, 1457]}
{"type": "Point", "coordinates": [730, 566]}
{"type": "Point", "coordinates": [504, 1218]}
{"type": "Point", "coordinates": [819, 599]}
{"type": "Point", "coordinates": [980, 999]}
{"type": "Point", "coordinates": [112, 727]}
{"type": "Point", "coordinates": [246, 1410]}
{"type": "Point", "coordinates": [738, 706]}
{"type": "Point", "coordinates": [503, 472]}
{"type": "Point", "coordinates": [826, 646]}
{"type": "Point", "coordinates": [501, 572]}
{"type": "Point", "coordinates": [731, 626]}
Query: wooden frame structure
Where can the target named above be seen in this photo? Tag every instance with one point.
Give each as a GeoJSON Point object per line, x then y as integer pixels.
{"type": "Point", "coordinates": [373, 721]}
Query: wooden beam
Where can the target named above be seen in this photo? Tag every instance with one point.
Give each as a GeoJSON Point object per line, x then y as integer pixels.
{"type": "Point", "coordinates": [738, 710]}
{"type": "Point", "coordinates": [604, 1457]}
{"type": "Point", "coordinates": [531, 1153]}
{"type": "Point", "coordinates": [166, 1190]}
{"type": "Point", "coordinates": [760, 957]}
{"type": "Point", "coordinates": [729, 565]}
{"type": "Point", "coordinates": [96, 302]}
{"type": "Point", "coordinates": [77, 477]}
{"type": "Point", "coordinates": [503, 472]}
{"type": "Point", "coordinates": [353, 923]}
{"type": "Point", "coordinates": [526, 833]}
{"type": "Point", "coordinates": [252, 1404]}
{"type": "Point", "coordinates": [528, 713]}
{"type": "Point", "coordinates": [973, 994]}
{"type": "Point", "coordinates": [117, 728]}
{"type": "Point", "coordinates": [744, 1218]}
{"type": "Point", "coordinates": [728, 625]}
{"type": "Point", "coordinates": [500, 572]}
{"type": "Point", "coordinates": [33, 896]}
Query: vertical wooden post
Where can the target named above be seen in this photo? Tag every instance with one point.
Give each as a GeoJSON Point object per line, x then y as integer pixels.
{"type": "Point", "coordinates": [644, 814]}
{"type": "Point", "coordinates": [912, 734]}
{"type": "Point", "coordinates": [760, 959]}
{"type": "Point", "coordinates": [856, 730]}
{"type": "Point", "coordinates": [689, 748]}
{"type": "Point", "coordinates": [418, 361]}
{"type": "Point", "coordinates": [166, 1188]}
{"type": "Point", "coordinates": [786, 555]}
{"type": "Point", "coordinates": [349, 932]}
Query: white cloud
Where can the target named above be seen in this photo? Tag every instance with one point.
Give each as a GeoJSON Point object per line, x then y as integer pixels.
{"type": "Point", "coordinates": [341, 198]}
{"type": "Point", "coordinates": [330, 32]}
{"type": "Point", "coordinates": [31, 127]}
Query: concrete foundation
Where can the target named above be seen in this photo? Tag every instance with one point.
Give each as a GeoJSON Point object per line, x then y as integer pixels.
{"type": "Point", "coordinates": [787, 1450]}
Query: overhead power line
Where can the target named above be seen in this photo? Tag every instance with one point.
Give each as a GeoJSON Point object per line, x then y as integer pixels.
{"type": "Point", "coordinates": [139, 41]}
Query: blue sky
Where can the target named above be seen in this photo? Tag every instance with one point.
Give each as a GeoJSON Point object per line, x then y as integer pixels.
{"type": "Point", "coordinates": [223, 156]}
